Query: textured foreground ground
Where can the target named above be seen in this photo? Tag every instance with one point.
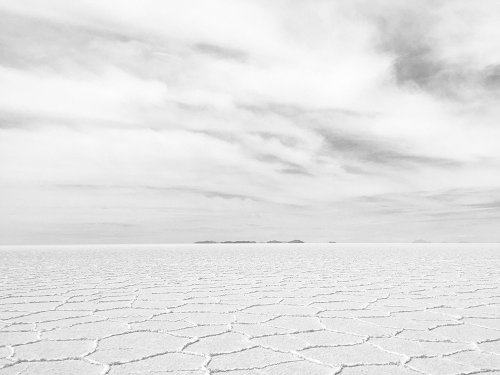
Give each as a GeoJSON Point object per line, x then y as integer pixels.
{"type": "Point", "coordinates": [251, 309]}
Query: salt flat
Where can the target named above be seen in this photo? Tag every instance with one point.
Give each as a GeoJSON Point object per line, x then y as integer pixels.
{"type": "Point", "coordinates": [251, 309]}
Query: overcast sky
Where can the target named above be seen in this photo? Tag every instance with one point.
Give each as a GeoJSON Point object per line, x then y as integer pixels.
{"type": "Point", "coordinates": [132, 121]}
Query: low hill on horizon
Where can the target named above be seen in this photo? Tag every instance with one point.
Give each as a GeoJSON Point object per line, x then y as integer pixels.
{"type": "Point", "coordinates": [244, 241]}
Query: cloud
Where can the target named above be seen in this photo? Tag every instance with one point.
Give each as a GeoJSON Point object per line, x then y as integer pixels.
{"type": "Point", "coordinates": [438, 46]}
{"type": "Point", "coordinates": [282, 116]}
{"type": "Point", "coordinates": [379, 152]}
{"type": "Point", "coordinates": [221, 52]}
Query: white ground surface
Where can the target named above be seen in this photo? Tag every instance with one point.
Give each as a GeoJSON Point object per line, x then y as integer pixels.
{"type": "Point", "coordinates": [251, 309]}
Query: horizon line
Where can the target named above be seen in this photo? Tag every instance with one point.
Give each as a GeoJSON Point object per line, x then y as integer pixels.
{"type": "Point", "coordinates": [244, 243]}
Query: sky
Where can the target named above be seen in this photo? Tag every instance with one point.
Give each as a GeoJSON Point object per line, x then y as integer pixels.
{"type": "Point", "coordinates": [144, 121]}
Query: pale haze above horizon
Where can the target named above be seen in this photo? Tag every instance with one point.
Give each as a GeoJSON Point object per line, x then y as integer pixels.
{"type": "Point", "coordinates": [179, 121]}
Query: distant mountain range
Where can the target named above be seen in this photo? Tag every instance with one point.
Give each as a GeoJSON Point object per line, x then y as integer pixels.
{"type": "Point", "coordinates": [272, 241]}
{"type": "Point", "coordinates": [292, 241]}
